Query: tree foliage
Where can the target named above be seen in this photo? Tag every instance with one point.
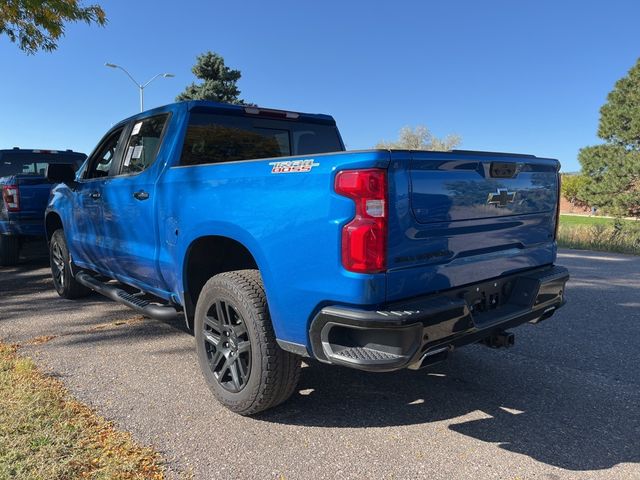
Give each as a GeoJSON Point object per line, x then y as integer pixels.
{"type": "Point", "coordinates": [38, 25]}
{"type": "Point", "coordinates": [573, 188]}
{"type": "Point", "coordinates": [612, 170]}
{"type": "Point", "coordinates": [613, 179]}
{"type": "Point", "coordinates": [421, 138]}
{"type": "Point", "coordinates": [620, 116]}
{"type": "Point", "coordinates": [219, 82]}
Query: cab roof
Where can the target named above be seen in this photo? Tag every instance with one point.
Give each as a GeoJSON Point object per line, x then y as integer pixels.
{"type": "Point", "coordinates": [231, 109]}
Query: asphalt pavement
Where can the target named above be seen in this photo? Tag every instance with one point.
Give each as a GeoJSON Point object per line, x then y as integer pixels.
{"type": "Point", "coordinates": [564, 402]}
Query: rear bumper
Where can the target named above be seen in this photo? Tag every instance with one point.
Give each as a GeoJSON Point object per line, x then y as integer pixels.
{"type": "Point", "coordinates": [404, 333]}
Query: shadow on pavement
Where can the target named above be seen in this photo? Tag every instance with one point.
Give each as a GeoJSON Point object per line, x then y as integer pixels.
{"type": "Point", "coordinates": [534, 411]}
{"type": "Point", "coordinates": [566, 395]}
{"type": "Point", "coordinates": [27, 289]}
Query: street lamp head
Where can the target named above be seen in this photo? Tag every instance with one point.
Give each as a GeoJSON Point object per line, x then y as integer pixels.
{"type": "Point", "coordinates": [141, 86]}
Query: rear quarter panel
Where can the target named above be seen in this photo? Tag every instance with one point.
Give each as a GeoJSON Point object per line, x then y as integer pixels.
{"type": "Point", "coordinates": [290, 222]}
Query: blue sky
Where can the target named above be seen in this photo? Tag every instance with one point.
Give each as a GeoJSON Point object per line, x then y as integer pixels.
{"type": "Point", "coordinates": [520, 76]}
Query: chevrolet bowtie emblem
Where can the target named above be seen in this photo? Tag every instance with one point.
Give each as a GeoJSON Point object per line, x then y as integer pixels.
{"type": "Point", "coordinates": [501, 198]}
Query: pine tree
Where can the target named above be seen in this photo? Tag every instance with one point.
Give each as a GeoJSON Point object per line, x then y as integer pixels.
{"type": "Point", "coordinates": [219, 82]}
{"type": "Point", "coordinates": [613, 168]}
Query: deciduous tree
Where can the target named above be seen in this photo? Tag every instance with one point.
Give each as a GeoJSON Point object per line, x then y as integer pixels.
{"type": "Point", "coordinates": [38, 25]}
{"type": "Point", "coordinates": [421, 138]}
{"type": "Point", "coordinates": [573, 188]}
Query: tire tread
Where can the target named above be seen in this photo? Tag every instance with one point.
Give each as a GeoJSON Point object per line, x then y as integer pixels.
{"type": "Point", "coordinates": [72, 289]}
{"type": "Point", "coordinates": [280, 369]}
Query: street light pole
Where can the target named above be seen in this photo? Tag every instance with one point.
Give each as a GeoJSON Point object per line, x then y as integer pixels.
{"type": "Point", "coordinates": [141, 86]}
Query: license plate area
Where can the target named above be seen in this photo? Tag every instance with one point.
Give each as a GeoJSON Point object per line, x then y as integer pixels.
{"type": "Point", "coordinates": [488, 296]}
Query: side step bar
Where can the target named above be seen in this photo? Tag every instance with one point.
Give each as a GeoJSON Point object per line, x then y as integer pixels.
{"type": "Point", "coordinates": [161, 312]}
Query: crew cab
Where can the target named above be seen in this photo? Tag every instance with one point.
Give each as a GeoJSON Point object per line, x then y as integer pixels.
{"type": "Point", "coordinates": [25, 193]}
{"type": "Point", "coordinates": [275, 244]}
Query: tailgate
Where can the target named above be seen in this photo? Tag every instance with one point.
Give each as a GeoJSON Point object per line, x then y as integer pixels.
{"type": "Point", "coordinates": [34, 196]}
{"type": "Point", "coordinates": [464, 217]}
{"type": "Point", "coordinates": [458, 189]}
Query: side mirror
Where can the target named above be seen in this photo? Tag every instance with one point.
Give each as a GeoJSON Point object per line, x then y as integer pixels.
{"type": "Point", "coordinates": [61, 173]}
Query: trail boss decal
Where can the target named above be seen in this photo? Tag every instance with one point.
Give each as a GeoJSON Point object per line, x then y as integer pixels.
{"type": "Point", "coordinates": [293, 166]}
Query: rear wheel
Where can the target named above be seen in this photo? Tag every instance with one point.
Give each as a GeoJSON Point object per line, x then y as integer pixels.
{"type": "Point", "coordinates": [63, 281]}
{"type": "Point", "coordinates": [237, 351]}
{"type": "Point", "coordinates": [9, 250]}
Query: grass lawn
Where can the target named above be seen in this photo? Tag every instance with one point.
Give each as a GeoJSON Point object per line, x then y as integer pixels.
{"type": "Point", "coordinates": [46, 434]}
{"type": "Point", "coordinates": [587, 221]}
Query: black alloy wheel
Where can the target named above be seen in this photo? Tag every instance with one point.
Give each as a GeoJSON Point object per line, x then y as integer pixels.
{"type": "Point", "coordinates": [239, 356]}
{"type": "Point", "coordinates": [227, 345]}
{"type": "Point", "coordinates": [57, 266]}
{"type": "Point", "coordinates": [60, 261]}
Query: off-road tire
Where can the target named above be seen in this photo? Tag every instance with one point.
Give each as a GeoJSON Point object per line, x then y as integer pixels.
{"type": "Point", "coordinates": [63, 281]}
{"type": "Point", "coordinates": [9, 250]}
{"type": "Point", "coordinates": [273, 373]}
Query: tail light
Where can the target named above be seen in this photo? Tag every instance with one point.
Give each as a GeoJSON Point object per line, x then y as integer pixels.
{"type": "Point", "coordinates": [364, 239]}
{"type": "Point", "coordinates": [11, 197]}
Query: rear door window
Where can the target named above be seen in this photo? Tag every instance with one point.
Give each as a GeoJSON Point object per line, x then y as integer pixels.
{"type": "Point", "coordinates": [215, 138]}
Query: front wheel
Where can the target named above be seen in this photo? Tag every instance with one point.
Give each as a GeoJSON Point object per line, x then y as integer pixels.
{"type": "Point", "coordinates": [63, 281]}
{"type": "Point", "coordinates": [237, 350]}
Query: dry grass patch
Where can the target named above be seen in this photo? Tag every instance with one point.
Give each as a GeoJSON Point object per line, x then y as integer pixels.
{"type": "Point", "coordinates": [117, 323]}
{"type": "Point", "coordinates": [40, 340]}
{"type": "Point", "coordinates": [616, 236]}
{"type": "Point", "coordinates": [46, 434]}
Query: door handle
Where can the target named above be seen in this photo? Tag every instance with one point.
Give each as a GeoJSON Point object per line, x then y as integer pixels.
{"type": "Point", "coordinates": [141, 195]}
{"type": "Point", "coordinates": [95, 195]}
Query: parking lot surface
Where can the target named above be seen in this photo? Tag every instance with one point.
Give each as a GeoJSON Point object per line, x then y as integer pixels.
{"type": "Point", "coordinates": [564, 402]}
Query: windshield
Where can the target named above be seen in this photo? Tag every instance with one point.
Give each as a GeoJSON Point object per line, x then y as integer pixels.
{"type": "Point", "coordinates": [30, 163]}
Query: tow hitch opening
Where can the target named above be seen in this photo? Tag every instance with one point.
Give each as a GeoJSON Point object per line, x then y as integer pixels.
{"type": "Point", "coordinates": [499, 339]}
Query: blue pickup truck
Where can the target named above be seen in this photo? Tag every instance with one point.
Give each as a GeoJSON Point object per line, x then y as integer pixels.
{"type": "Point", "coordinates": [276, 244]}
{"type": "Point", "coordinates": [25, 193]}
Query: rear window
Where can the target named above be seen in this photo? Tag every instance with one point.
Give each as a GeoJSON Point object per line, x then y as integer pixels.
{"type": "Point", "coordinates": [30, 163]}
{"type": "Point", "coordinates": [213, 138]}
